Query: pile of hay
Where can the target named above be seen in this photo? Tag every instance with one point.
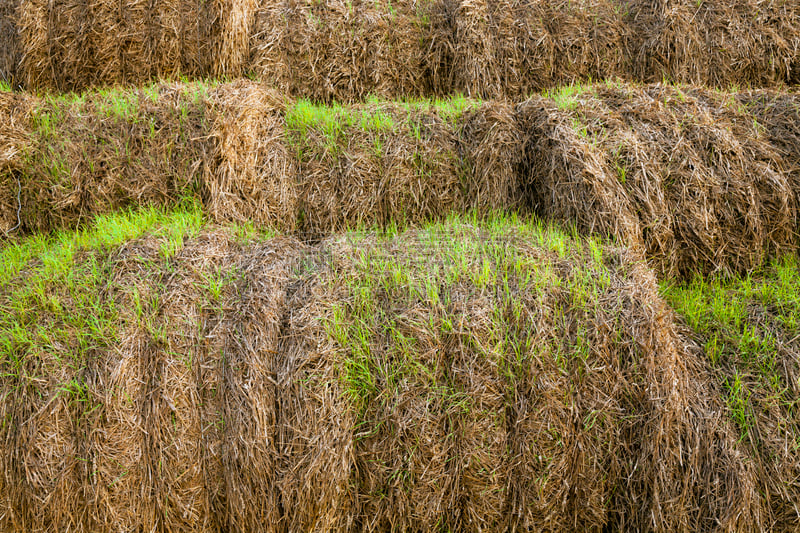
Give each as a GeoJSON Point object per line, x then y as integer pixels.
{"type": "Point", "coordinates": [105, 150]}
{"type": "Point", "coordinates": [696, 180]}
{"type": "Point", "coordinates": [690, 177]}
{"type": "Point", "coordinates": [375, 164]}
{"type": "Point", "coordinates": [718, 43]}
{"type": "Point", "coordinates": [341, 50]}
{"type": "Point", "coordinates": [515, 47]}
{"type": "Point", "coordinates": [250, 155]}
{"type": "Point", "coordinates": [489, 378]}
{"type": "Point", "coordinates": [9, 42]}
{"type": "Point", "coordinates": [74, 44]}
{"type": "Point", "coordinates": [14, 138]}
{"type": "Point", "coordinates": [748, 329]}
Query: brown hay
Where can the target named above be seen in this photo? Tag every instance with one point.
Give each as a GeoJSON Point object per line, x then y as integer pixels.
{"type": "Point", "coordinates": [340, 50]}
{"type": "Point", "coordinates": [255, 173]}
{"type": "Point", "coordinates": [717, 43]}
{"type": "Point", "coordinates": [370, 176]}
{"type": "Point", "coordinates": [251, 452]}
{"type": "Point", "coordinates": [687, 177]}
{"type": "Point", "coordinates": [492, 144]}
{"type": "Point", "coordinates": [14, 143]}
{"type": "Point", "coordinates": [71, 44]}
{"type": "Point", "coordinates": [9, 42]}
{"type": "Point", "coordinates": [103, 153]}
{"type": "Point", "coordinates": [567, 401]}
{"type": "Point", "coordinates": [513, 48]}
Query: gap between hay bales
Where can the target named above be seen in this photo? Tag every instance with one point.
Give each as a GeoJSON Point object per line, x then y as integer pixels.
{"type": "Point", "coordinates": [160, 374]}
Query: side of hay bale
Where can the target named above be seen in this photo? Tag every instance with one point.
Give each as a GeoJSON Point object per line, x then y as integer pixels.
{"type": "Point", "coordinates": [108, 150]}
{"type": "Point", "coordinates": [253, 173]}
{"type": "Point", "coordinates": [716, 43]}
{"type": "Point", "coordinates": [477, 377]}
{"type": "Point", "coordinates": [566, 178]}
{"type": "Point", "coordinates": [511, 49]}
{"type": "Point", "coordinates": [340, 51]}
{"type": "Point", "coordinates": [371, 165]}
{"type": "Point", "coordinates": [14, 144]}
{"type": "Point", "coordinates": [697, 186]}
{"type": "Point", "coordinates": [9, 42]}
{"type": "Point", "coordinates": [746, 327]}
{"type": "Point", "coordinates": [71, 45]}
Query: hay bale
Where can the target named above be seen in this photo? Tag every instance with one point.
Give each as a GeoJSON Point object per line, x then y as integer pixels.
{"type": "Point", "coordinates": [14, 143]}
{"type": "Point", "coordinates": [716, 42]}
{"type": "Point", "coordinates": [254, 171]}
{"type": "Point", "coordinates": [482, 378]}
{"type": "Point", "coordinates": [371, 165]}
{"type": "Point", "coordinates": [458, 428]}
{"type": "Point", "coordinates": [72, 45]}
{"type": "Point", "coordinates": [104, 151]}
{"type": "Point", "coordinates": [251, 451]}
{"type": "Point", "coordinates": [514, 48]}
{"type": "Point", "coordinates": [689, 181]}
{"type": "Point", "coordinates": [9, 42]}
{"type": "Point", "coordinates": [492, 145]}
{"type": "Point", "coordinates": [340, 51]}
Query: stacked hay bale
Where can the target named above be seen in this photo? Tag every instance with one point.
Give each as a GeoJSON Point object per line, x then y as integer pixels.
{"type": "Point", "coordinates": [109, 149]}
{"type": "Point", "coordinates": [14, 143]}
{"type": "Point", "coordinates": [70, 44]}
{"type": "Point", "coordinates": [717, 43]}
{"type": "Point", "coordinates": [481, 378]}
{"type": "Point", "coordinates": [688, 177]}
{"type": "Point", "coordinates": [9, 43]}
{"type": "Point", "coordinates": [342, 51]}
{"type": "Point", "coordinates": [513, 48]}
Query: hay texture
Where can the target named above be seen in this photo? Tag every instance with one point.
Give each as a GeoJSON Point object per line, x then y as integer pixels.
{"type": "Point", "coordinates": [71, 44]}
{"type": "Point", "coordinates": [717, 43]}
{"type": "Point", "coordinates": [107, 150]}
{"type": "Point", "coordinates": [9, 42]}
{"type": "Point", "coordinates": [513, 48]}
{"type": "Point", "coordinates": [341, 50]}
{"type": "Point", "coordinates": [14, 143]}
{"type": "Point", "coordinates": [687, 176]}
{"type": "Point", "coordinates": [484, 378]}
{"type": "Point", "coordinates": [375, 164]}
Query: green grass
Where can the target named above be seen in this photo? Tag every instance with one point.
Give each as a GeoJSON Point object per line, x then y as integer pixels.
{"type": "Point", "coordinates": [741, 323]}
{"type": "Point", "coordinates": [443, 260]}
{"type": "Point", "coordinates": [52, 304]}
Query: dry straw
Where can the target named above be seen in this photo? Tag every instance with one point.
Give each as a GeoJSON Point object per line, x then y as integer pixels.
{"type": "Point", "coordinates": [276, 387]}
{"type": "Point", "coordinates": [716, 42]}
{"type": "Point", "coordinates": [71, 44]}
{"type": "Point", "coordinates": [512, 48]}
{"type": "Point", "coordinates": [14, 142]}
{"type": "Point", "coordinates": [691, 178]}
{"type": "Point", "coordinates": [107, 150]}
{"type": "Point", "coordinates": [340, 50]}
{"type": "Point", "coordinates": [688, 176]}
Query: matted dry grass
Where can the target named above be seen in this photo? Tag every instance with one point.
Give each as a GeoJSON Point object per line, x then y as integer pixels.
{"type": "Point", "coordinates": [694, 179]}
{"type": "Point", "coordinates": [14, 139]}
{"type": "Point", "coordinates": [71, 44]}
{"type": "Point", "coordinates": [346, 50]}
{"type": "Point", "coordinates": [515, 47]}
{"type": "Point", "coordinates": [481, 378]}
{"type": "Point", "coordinates": [103, 151]}
{"type": "Point", "coordinates": [342, 51]}
{"type": "Point", "coordinates": [691, 177]}
{"type": "Point", "coordinates": [718, 43]}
